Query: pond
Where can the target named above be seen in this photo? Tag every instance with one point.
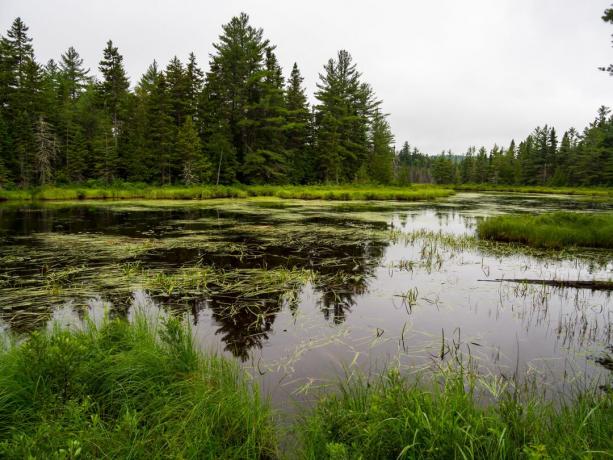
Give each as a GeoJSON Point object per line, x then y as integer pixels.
{"type": "Point", "coordinates": [300, 291]}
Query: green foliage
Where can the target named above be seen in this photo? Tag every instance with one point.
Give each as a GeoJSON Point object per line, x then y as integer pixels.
{"type": "Point", "coordinates": [58, 125]}
{"type": "Point", "coordinates": [343, 119]}
{"type": "Point", "coordinates": [554, 230]}
{"type": "Point", "coordinates": [127, 391]}
{"type": "Point", "coordinates": [389, 417]}
{"type": "Point", "coordinates": [196, 167]}
{"type": "Point", "coordinates": [120, 190]}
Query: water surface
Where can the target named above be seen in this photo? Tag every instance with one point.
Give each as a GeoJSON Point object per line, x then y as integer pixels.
{"type": "Point", "coordinates": [298, 291]}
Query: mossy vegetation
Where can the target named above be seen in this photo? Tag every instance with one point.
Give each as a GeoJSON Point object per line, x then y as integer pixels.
{"type": "Point", "coordinates": [551, 230]}
{"type": "Point", "coordinates": [127, 390]}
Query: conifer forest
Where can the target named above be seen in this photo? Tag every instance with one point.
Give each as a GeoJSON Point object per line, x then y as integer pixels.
{"type": "Point", "coordinates": [244, 120]}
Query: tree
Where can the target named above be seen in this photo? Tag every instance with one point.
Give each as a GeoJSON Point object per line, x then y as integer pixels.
{"type": "Point", "coordinates": [46, 149]}
{"type": "Point", "coordinates": [194, 82]}
{"type": "Point", "coordinates": [608, 17]}
{"type": "Point", "coordinates": [265, 159]}
{"type": "Point", "coordinates": [196, 167]}
{"type": "Point", "coordinates": [114, 85]}
{"type": "Point", "coordinates": [21, 52]}
{"type": "Point", "coordinates": [297, 127]}
{"type": "Point", "coordinates": [76, 154]}
{"type": "Point", "coordinates": [442, 170]}
{"type": "Point", "coordinates": [233, 85]}
{"type": "Point", "coordinates": [74, 77]}
{"type": "Point", "coordinates": [342, 120]}
{"type": "Point", "coordinates": [381, 155]}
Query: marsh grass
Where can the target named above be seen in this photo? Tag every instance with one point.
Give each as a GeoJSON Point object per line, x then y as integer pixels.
{"type": "Point", "coordinates": [138, 388]}
{"type": "Point", "coordinates": [141, 191]}
{"type": "Point", "coordinates": [127, 390]}
{"type": "Point", "coordinates": [556, 230]}
{"type": "Point", "coordinates": [603, 192]}
{"type": "Point", "coordinates": [391, 417]}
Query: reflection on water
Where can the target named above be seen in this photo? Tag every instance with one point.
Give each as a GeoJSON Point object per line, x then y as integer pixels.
{"type": "Point", "coordinates": [296, 289]}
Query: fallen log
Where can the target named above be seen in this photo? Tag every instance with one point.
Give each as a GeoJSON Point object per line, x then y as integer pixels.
{"type": "Point", "coordinates": [593, 285]}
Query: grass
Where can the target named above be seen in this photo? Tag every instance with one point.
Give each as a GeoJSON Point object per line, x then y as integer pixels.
{"type": "Point", "coordinates": [127, 390]}
{"type": "Point", "coordinates": [140, 389]}
{"type": "Point", "coordinates": [415, 192]}
{"type": "Point", "coordinates": [142, 191]}
{"type": "Point", "coordinates": [552, 230]}
{"type": "Point", "coordinates": [392, 418]}
{"type": "Point", "coordinates": [588, 191]}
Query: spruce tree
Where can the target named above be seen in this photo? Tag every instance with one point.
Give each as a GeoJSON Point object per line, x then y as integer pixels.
{"type": "Point", "coordinates": [298, 118]}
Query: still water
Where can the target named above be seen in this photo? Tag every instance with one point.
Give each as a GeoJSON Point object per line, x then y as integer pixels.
{"type": "Point", "coordinates": [300, 291]}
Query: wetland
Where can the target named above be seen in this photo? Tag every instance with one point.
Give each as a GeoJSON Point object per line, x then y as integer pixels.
{"type": "Point", "coordinates": [301, 294]}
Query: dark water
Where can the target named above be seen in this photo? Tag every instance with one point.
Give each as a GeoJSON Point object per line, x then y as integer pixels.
{"type": "Point", "coordinates": [298, 291]}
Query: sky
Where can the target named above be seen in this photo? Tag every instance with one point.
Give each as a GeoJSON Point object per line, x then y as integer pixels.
{"type": "Point", "coordinates": [451, 73]}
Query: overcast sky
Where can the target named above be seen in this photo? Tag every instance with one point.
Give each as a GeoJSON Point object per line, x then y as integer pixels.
{"type": "Point", "coordinates": [451, 73]}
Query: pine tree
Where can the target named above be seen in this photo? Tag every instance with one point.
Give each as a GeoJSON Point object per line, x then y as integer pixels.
{"type": "Point", "coordinates": [114, 84]}
{"type": "Point", "coordinates": [343, 116]}
{"type": "Point", "coordinates": [178, 91]}
{"type": "Point", "coordinates": [265, 158]}
{"type": "Point", "coordinates": [381, 155]}
{"type": "Point", "coordinates": [194, 82]}
{"type": "Point", "coordinates": [196, 167]}
{"type": "Point", "coordinates": [232, 86]}
{"type": "Point", "coordinates": [74, 77]}
{"type": "Point", "coordinates": [20, 49]}
{"type": "Point", "coordinates": [298, 118]}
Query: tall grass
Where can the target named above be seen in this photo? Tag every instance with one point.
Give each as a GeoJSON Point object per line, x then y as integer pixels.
{"type": "Point", "coordinates": [588, 191]}
{"type": "Point", "coordinates": [140, 389]}
{"type": "Point", "coordinates": [142, 191]}
{"type": "Point", "coordinates": [127, 390]}
{"type": "Point", "coordinates": [393, 419]}
{"type": "Point", "coordinates": [552, 230]}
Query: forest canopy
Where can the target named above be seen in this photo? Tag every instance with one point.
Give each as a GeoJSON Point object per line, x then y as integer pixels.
{"type": "Point", "coordinates": [242, 120]}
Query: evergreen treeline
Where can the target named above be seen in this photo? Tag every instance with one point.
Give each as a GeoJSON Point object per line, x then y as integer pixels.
{"type": "Point", "coordinates": [241, 121]}
{"type": "Point", "coordinates": [578, 159]}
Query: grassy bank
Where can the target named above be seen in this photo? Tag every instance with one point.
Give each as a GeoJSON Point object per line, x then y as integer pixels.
{"type": "Point", "coordinates": [391, 418]}
{"type": "Point", "coordinates": [416, 192]}
{"type": "Point", "coordinates": [125, 390]}
{"type": "Point", "coordinates": [552, 230]}
{"type": "Point", "coordinates": [139, 389]}
{"type": "Point", "coordinates": [603, 192]}
{"type": "Point", "coordinates": [136, 191]}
